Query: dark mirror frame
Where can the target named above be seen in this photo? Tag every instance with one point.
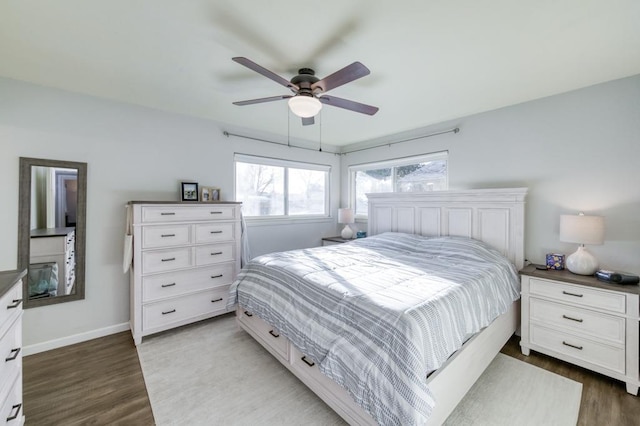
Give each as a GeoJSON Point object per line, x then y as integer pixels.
{"type": "Point", "coordinates": [24, 227]}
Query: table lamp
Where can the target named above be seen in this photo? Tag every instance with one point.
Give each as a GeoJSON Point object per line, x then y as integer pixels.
{"type": "Point", "coordinates": [582, 230]}
{"type": "Point", "coordinates": [345, 216]}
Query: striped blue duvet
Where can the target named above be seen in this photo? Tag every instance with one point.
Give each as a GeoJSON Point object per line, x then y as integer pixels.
{"type": "Point", "coordinates": [378, 314]}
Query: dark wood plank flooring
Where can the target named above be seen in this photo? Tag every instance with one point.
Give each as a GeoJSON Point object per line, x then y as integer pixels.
{"type": "Point", "coordinates": [100, 382]}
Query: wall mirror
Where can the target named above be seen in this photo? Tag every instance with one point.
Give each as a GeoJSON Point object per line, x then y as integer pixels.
{"type": "Point", "coordinates": [51, 230]}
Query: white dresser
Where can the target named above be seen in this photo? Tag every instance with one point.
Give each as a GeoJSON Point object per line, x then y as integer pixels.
{"type": "Point", "coordinates": [583, 321]}
{"type": "Point", "coordinates": [185, 257]}
{"type": "Point", "coordinates": [11, 409]}
{"type": "Point", "coordinates": [56, 245]}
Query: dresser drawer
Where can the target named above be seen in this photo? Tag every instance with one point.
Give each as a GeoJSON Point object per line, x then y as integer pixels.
{"type": "Point", "coordinates": [176, 213]}
{"type": "Point", "coordinates": [171, 284]}
{"type": "Point", "coordinates": [166, 260]}
{"type": "Point", "coordinates": [10, 353]}
{"type": "Point", "coordinates": [11, 409]}
{"type": "Point", "coordinates": [214, 232]}
{"type": "Point", "coordinates": [165, 236]}
{"type": "Point", "coordinates": [278, 343]}
{"type": "Point", "coordinates": [579, 295]}
{"type": "Point", "coordinates": [165, 312]}
{"type": "Point", "coordinates": [207, 255]}
{"type": "Point", "coordinates": [594, 324]}
{"type": "Point", "coordinates": [10, 306]}
{"type": "Point", "coordinates": [603, 355]}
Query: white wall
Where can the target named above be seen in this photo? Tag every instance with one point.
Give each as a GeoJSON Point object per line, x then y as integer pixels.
{"type": "Point", "coordinates": [578, 151]}
{"type": "Point", "coordinates": [133, 153]}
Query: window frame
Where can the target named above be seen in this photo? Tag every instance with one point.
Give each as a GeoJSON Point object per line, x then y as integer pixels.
{"type": "Point", "coordinates": [286, 164]}
{"type": "Point", "coordinates": [392, 163]}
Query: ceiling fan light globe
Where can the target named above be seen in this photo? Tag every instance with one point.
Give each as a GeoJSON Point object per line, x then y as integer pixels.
{"type": "Point", "coordinates": [305, 106]}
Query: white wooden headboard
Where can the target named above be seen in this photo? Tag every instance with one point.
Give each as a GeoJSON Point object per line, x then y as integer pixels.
{"type": "Point", "coordinates": [495, 216]}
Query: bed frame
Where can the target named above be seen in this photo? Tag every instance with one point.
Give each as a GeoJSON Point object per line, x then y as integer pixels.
{"type": "Point", "coordinates": [495, 216]}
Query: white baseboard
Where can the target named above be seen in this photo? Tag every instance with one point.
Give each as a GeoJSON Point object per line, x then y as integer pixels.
{"type": "Point", "coordinates": [76, 338]}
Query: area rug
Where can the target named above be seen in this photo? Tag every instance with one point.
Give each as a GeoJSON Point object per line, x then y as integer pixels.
{"type": "Point", "coordinates": [214, 373]}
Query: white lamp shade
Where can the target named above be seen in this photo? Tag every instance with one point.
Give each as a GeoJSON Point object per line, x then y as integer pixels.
{"type": "Point", "coordinates": [345, 216]}
{"type": "Point", "coordinates": [582, 229]}
{"type": "Point", "coordinates": [304, 106]}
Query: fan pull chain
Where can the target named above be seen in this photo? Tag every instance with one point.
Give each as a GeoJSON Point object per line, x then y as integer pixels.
{"type": "Point", "coordinates": [320, 117]}
{"type": "Point", "coordinates": [288, 127]}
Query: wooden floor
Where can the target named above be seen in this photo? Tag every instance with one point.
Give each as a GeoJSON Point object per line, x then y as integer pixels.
{"type": "Point", "coordinates": [100, 382]}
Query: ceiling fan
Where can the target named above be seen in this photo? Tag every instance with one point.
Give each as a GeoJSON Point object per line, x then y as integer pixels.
{"type": "Point", "coordinates": [308, 90]}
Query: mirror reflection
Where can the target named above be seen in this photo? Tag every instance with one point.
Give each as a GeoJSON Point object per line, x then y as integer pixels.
{"type": "Point", "coordinates": [52, 207]}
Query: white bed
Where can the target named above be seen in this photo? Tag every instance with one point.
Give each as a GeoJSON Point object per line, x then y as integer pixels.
{"type": "Point", "coordinates": [495, 217]}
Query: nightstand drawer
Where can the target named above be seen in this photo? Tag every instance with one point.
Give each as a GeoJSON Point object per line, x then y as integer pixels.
{"type": "Point", "coordinates": [602, 355]}
{"type": "Point", "coordinates": [579, 295]}
{"type": "Point", "coordinates": [597, 325]}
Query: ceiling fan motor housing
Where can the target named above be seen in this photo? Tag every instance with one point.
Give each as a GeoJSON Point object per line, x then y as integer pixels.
{"type": "Point", "coordinates": [305, 78]}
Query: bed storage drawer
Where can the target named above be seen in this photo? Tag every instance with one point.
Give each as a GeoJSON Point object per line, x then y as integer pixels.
{"type": "Point", "coordinates": [305, 366]}
{"type": "Point", "coordinates": [183, 309]}
{"type": "Point", "coordinates": [275, 342]}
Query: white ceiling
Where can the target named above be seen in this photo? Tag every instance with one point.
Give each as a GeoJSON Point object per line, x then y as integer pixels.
{"type": "Point", "coordinates": [430, 60]}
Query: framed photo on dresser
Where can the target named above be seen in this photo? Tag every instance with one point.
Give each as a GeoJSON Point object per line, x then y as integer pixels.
{"type": "Point", "coordinates": [189, 191]}
{"type": "Point", "coordinates": [209, 193]}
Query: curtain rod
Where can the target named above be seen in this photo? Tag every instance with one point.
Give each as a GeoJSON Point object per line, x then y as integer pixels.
{"type": "Point", "coordinates": [454, 130]}
{"type": "Point", "coordinates": [227, 134]}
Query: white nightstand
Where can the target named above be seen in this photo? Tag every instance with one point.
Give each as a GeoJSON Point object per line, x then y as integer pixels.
{"type": "Point", "coordinates": [582, 320]}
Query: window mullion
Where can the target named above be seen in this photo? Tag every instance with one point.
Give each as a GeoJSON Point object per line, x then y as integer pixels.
{"type": "Point", "coordinates": [286, 191]}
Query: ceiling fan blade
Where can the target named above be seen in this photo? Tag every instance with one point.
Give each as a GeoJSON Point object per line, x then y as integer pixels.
{"type": "Point", "coordinates": [347, 104]}
{"type": "Point", "coordinates": [307, 121]}
{"type": "Point", "coordinates": [265, 72]}
{"type": "Point", "coordinates": [346, 75]}
{"type": "Point", "coordinates": [261, 100]}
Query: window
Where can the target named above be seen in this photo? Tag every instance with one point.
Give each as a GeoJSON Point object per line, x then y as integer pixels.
{"type": "Point", "coordinates": [270, 187]}
{"type": "Point", "coordinates": [411, 174]}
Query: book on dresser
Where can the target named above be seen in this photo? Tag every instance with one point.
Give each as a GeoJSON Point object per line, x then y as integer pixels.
{"type": "Point", "coordinates": [185, 257]}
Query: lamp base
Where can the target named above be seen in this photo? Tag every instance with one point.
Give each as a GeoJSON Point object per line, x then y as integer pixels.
{"type": "Point", "coordinates": [347, 233]}
{"type": "Point", "coordinates": [582, 262]}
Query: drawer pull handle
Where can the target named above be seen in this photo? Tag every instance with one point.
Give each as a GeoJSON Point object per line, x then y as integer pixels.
{"type": "Point", "coordinates": [273, 333]}
{"type": "Point", "coordinates": [306, 361]}
{"type": "Point", "coordinates": [216, 300]}
{"type": "Point", "coordinates": [168, 312]}
{"type": "Point", "coordinates": [15, 353]}
{"type": "Point", "coordinates": [216, 232]}
{"type": "Point", "coordinates": [216, 276]}
{"type": "Point", "coordinates": [16, 407]}
{"type": "Point", "coordinates": [169, 259]}
{"type": "Point", "coordinates": [168, 285]}
{"type": "Point", "coordinates": [167, 235]}
{"type": "Point", "coordinates": [167, 214]}
{"type": "Point", "coordinates": [572, 346]}
{"type": "Point", "coordinates": [572, 319]}
{"type": "Point", "coordinates": [216, 253]}
{"type": "Point", "coordinates": [571, 294]}
{"type": "Point", "coordinates": [247, 313]}
{"type": "Point", "coordinates": [215, 212]}
{"type": "Point", "coordinates": [16, 303]}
